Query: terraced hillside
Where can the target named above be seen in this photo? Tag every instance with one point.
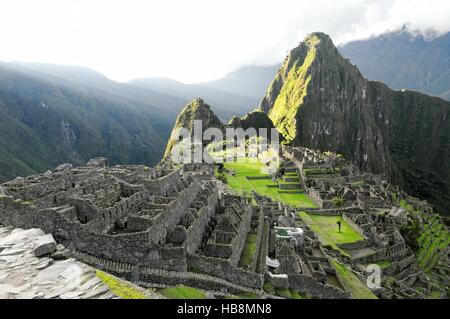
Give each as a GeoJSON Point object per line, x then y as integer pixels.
{"type": "Point", "coordinates": [434, 239]}
{"type": "Point", "coordinates": [247, 176]}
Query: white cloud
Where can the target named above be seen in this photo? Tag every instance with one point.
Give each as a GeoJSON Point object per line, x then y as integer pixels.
{"type": "Point", "coordinates": [192, 40]}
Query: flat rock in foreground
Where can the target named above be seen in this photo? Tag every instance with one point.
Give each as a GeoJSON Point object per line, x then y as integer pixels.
{"type": "Point", "coordinates": [23, 275]}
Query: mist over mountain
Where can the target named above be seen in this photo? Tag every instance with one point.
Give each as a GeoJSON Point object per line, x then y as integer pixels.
{"type": "Point", "coordinates": [78, 76]}
{"type": "Point", "coordinates": [405, 59]}
{"type": "Point", "coordinates": [235, 94]}
{"type": "Point", "coordinates": [251, 81]}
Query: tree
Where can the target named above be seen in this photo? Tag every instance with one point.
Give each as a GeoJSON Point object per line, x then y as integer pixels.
{"type": "Point", "coordinates": [339, 201]}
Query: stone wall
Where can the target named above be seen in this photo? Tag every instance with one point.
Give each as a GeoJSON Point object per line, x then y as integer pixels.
{"type": "Point", "coordinates": [311, 287]}
{"type": "Point", "coordinates": [354, 225]}
{"type": "Point", "coordinates": [264, 249]}
{"type": "Point", "coordinates": [139, 248]}
{"type": "Point", "coordinates": [161, 185]}
{"type": "Point", "coordinates": [196, 230]}
{"type": "Point", "coordinates": [241, 237]}
{"type": "Point", "coordinates": [146, 276]}
{"type": "Point", "coordinates": [352, 246]}
{"type": "Point", "coordinates": [173, 212]}
{"type": "Point", "coordinates": [290, 186]}
{"type": "Point", "coordinates": [259, 236]}
{"type": "Point", "coordinates": [223, 269]}
{"type": "Point", "coordinates": [328, 212]}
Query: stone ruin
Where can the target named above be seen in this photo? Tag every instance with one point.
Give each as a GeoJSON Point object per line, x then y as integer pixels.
{"type": "Point", "coordinates": [168, 225]}
{"type": "Point", "coordinates": [370, 206]}
{"type": "Point", "coordinates": [149, 225]}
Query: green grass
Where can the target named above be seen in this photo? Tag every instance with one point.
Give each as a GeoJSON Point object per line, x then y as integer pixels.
{"type": "Point", "coordinates": [119, 287]}
{"type": "Point", "coordinates": [433, 240]}
{"type": "Point", "coordinates": [405, 205]}
{"type": "Point", "coordinates": [295, 295]}
{"type": "Point", "coordinates": [249, 251]}
{"type": "Point", "coordinates": [435, 294]}
{"type": "Point", "coordinates": [182, 292]}
{"type": "Point", "coordinates": [384, 264]}
{"type": "Point", "coordinates": [327, 229]}
{"type": "Point", "coordinates": [283, 292]}
{"type": "Point", "coordinates": [269, 288]}
{"type": "Point", "coordinates": [351, 283]}
{"type": "Point", "coordinates": [264, 187]}
{"type": "Point", "coordinates": [291, 174]}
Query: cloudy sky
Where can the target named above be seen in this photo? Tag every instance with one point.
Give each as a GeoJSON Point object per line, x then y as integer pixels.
{"type": "Point", "coordinates": [192, 40]}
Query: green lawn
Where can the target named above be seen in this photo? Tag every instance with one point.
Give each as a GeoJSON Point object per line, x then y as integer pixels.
{"type": "Point", "coordinates": [327, 230]}
{"type": "Point", "coordinates": [384, 264]}
{"type": "Point", "coordinates": [297, 295]}
{"type": "Point", "coordinates": [249, 251]}
{"type": "Point", "coordinates": [351, 283]}
{"type": "Point", "coordinates": [182, 292]}
{"type": "Point", "coordinates": [283, 292]}
{"type": "Point", "coordinates": [264, 187]}
{"type": "Point", "coordinates": [119, 287]}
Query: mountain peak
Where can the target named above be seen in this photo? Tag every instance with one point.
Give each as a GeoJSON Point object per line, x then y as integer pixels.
{"type": "Point", "coordinates": [312, 57]}
{"type": "Point", "coordinates": [319, 100]}
{"type": "Point", "coordinates": [316, 41]}
{"type": "Point", "coordinates": [198, 102]}
{"type": "Point", "coordinates": [196, 110]}
{"type": "Point", "coordinates": [318, 36]}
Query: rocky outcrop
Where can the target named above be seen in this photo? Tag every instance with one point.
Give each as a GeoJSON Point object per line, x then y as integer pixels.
{"type": "Point", "coordinates": [320, 100]}
{"type": "Point", "coordinates": [255, 119]}
{"type": "Point", "coordinates": [45, 245]}
{"type": "Point", "coordinates": [196, 110]}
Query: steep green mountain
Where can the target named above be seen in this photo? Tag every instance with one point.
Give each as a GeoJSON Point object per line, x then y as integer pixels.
{"type": "Point", "coordinates": [404, 60]}
{"type": "Point", "coordinates": [45, 121]}
{"type": "Point", "coordinates": [196, 110]}
{"type": "Point", "coordinates": [320, 100]}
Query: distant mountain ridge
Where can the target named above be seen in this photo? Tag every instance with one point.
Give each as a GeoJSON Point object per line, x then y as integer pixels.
{"type": "Point", "coordinates": [404, 59]}
{"type": "Point", "coordinates": [226, 104]}
{"type": "Point", "coordinates": [46, 120]}
{"type": "Point", "coordinates": [235, 94]}
{"type": "Point", "coordinates": [251, 81]}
